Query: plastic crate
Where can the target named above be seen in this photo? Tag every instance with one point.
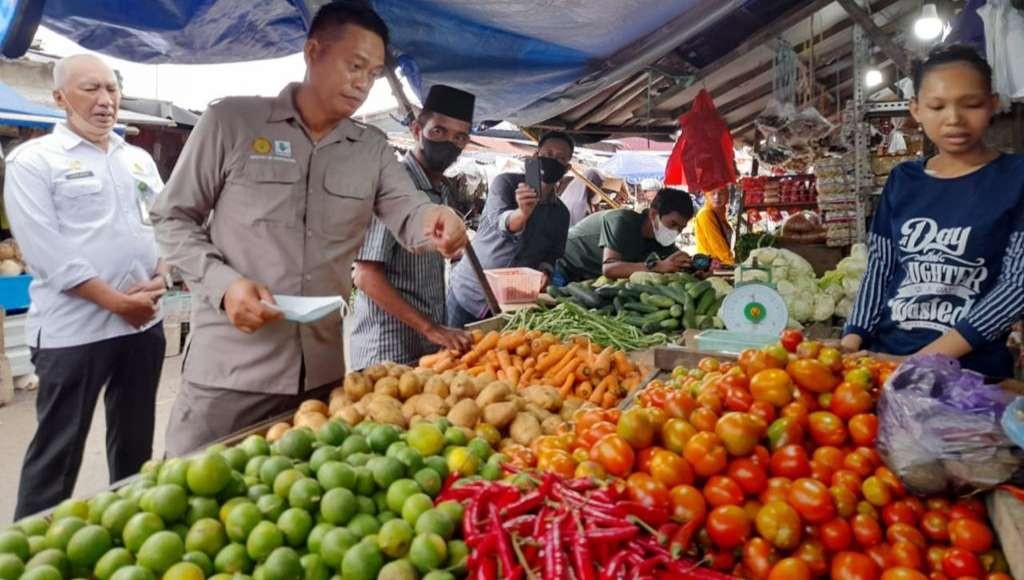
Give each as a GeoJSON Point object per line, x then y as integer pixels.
{"type": "Point", "coordinates": [515, 285]}
{"type": "Point", "coordinates": [728, 342]}
{"type": "Point", "coordinates": [14, 292]}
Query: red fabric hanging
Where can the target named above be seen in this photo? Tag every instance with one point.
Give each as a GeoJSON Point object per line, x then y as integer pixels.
{"type": "Point", "coordinates": [703, 158]}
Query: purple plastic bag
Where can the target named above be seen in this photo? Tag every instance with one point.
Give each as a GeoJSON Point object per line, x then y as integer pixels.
{"type": "Point", "coordinates": [939, 428]}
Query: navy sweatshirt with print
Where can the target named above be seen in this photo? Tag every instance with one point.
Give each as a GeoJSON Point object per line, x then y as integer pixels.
{"type": "Point", "coordinates": [946, 254]}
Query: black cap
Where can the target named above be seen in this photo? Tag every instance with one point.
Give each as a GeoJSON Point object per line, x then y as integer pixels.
{"type": "Point", "coordinates": [455, 103]}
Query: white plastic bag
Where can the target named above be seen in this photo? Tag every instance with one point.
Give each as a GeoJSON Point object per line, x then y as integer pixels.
{"type": "Point", "coordinates": [1004, 43]}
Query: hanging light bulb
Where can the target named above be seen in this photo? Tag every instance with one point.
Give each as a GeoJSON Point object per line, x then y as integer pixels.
{"type": "Point", "coordinates": [873, 78]}
{"type": "Point", "coordinates": [928, 26]}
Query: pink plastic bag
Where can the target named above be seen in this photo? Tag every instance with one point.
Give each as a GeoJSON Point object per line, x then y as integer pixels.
{"type": "Point", "coordinates": [703, 158]}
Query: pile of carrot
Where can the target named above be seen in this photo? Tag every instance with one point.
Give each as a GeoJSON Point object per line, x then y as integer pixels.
{"type": "Point", "coordinates": [578, 368]}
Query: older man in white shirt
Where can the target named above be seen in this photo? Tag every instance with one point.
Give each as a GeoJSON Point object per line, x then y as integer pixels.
{"type": "Point", "coordinates": [78, 204]}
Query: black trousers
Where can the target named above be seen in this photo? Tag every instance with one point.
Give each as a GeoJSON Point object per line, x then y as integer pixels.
{"type": "Point", "coordinates": [70, 381]}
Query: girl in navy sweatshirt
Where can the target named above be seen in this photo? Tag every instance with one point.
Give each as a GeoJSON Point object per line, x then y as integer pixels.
{"type": "Point", "coordinates": [946, 247]}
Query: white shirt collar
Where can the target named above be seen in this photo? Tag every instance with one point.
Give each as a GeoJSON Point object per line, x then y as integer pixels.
{"type": "Point", "coordinates": [69, 139]}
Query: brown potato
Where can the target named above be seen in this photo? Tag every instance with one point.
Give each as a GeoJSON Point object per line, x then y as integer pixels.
{"type": "Point", "coordinates": [500, 414]}
{"type": "Point", "coordinates": [525, 429]}
{"type": "Point", "coordinates": [463, 387]}
{"type": "Point", "coordinates": [375, 373]}
{"type": "Point", "coordinates": [436, 386]}
{"type": "Point", "coordinates": [409, 407]}
{"type": "Point", "coordinates": [543, 396]}
{"type": "Point", "coordinates": [495, 392]}
{"type": "Point", "coordinates": [397, 371]}
{"type": "Point", "coordinates": [337, 392]}
{"type": "Point", "coordinates": [540, 413]}
{"type": "Point", "coordinates": [349, 415]}
{"type": "Point", "coordinates": [570, 406]}
{"type": "Point", "coordinates": [313, 406]}
{"type": "Point", "coordinates": [483, 380]}
{"type": "Point", "coordinates": [551, 424]}
{"type": "Point", "coordinates": [337, 404]}
{"type": "Point", "coordinates": [408, 385]}
{"type": "Point", "coordinates": [430, 404]}
{"type": "Point", "coordinates": [464, 414]}
{"type": "Point", "coordinates": [277, 431]}
{"type": "Point", "coordinates": [356, 386]}
{"type": "Point", "coordinates": [386, 410]}
{"type": "Point", "coordinates": [312, 419]}
{"type": "Point", "coordinates": [386, 386]}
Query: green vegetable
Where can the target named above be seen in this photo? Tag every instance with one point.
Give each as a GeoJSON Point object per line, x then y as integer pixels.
{"type": "Point", "coordinates": [570, 320]}
{"type": "Point", "coordinates": [651, 327]}
{"type": "Point", "coordinates": [648, 278]}
{"type": "Point", "coordinates": [676, 310]}
{"type": "Point", "coordinates": [607, 292]}
{"type": "Point", "coordinates": [670, 324]}
{"type": "Point", "coordinates": [676, 292]}
{"type": "Point", "coordinates": [644, 288]}
{"type": "Point", "coordinates": [641, 307]}
{"type": "Point", "coordinates": [658, 316]}
{"type": "Point", "coordinates": [706, 302]}
{"type": "Point", "coordinates": [619, 304]}
{"type": "Point", "coordinates": [695, 290]}
{"type": "Point", "coordinates": [747, 243]}
{"type": "Point", "coordinates": [657, 300]}
{"type": "Point", "coordinates": [584, 296]}
{"type": "Point", "coordinates": [555, 292]}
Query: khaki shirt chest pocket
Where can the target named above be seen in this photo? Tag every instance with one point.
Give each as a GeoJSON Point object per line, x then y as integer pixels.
{"type": "Point", "coordinates": [81, 201]}
{"type": "Point", "coordinates": [347, 203]}
{"type": "Point", "coordinates": [266, 192]}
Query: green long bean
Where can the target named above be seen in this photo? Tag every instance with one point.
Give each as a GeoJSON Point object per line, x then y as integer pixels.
{"type": "Point", "coordinates": [568, 320]}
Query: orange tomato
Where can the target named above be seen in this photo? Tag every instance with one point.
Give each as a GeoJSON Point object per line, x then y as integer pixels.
{"type": "Point", "coordinates": [670, 469]}
{"type": "Point", "coordinates": [590, 469]}
{"type": "Point", "coordinates": [764, 411]}
{"type": "Point", "coordinates": [844, 500]}
{"type": "Point", "coordinates": [739, 432]}
{"type": "Point", "coordinates": [905, 554]}
{"type": "Point", "coordinates": [728, 526]}
{"type": "Point", "coordinates": [759, 557]}
{"type": "Point", "coordinates": [772, 386]}
{"type": "Point", "coordinates": [970, 535]}
{"type": "Point", "coordinates": [709, 364]}
{"type": "Point", "coordinates": [847, 479]}
{"type": "Point", "coordinates": [719, 490]}
{"type": "Point", "coordinates": [790, 569]}
{"type": "Point", "coordinates": [706, 454]}
{"type": "Point", "coordinates": [831, 358]}
{"type": "Point", "coordinates": [901, 532]}
{"type": "Point", "coordinates": [903, 573]}
{"type": "Point", "coordinates": [557, 461]}
{"type": "Point", "coordinates": [752, 361]}
{"type": "Point", "coordinates": [812, 375]}
{"type": "Point", "coordinates": [613, 454]}
{"type": "Point", "coordinates": [876, 491]}
{"type": "Point", "coordinates": [657, 417]}
{"type": "Point", "coordinates": [827, 429]}
{"type": "Point", "coordinates": [779, 524]}
{"type": "Point", "coordinates": [811, 499]}
{"type": "Point", "coordinates": [703, 419]}
{"type": "Point", "coordinates": [644, 458]}
{"type": "Point", "coordinates": [777, 489]}
{"type": "Point", "coordinates": [644, 489]}
{"type": "Point", "coordinates": [687, 504]}
{"type": "Point", "coordinates": [812, 553]}
{"type": "Point", "coordinates": [854, 566]}
{"type": "Point", "coordinates": [866, 530]}
{"type": "Point", "coordinates": [863, 429]}
{"type": "Point", "coordinates": [679, 404]}
{"type": "Point", "coordinates": [849, 400]}
{"type": "Point", "coordinates": [750, 476]}
{"type": "Point", "coordinates": [675, 433]}
{"type": "Point", "coordinates": [635, 427]}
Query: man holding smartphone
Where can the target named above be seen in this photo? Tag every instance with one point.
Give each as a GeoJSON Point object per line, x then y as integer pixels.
{"type": "Point", "coordinates": [520, 227]}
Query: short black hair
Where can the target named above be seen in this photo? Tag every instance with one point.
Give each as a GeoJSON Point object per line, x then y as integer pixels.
{"type": "Point", "coordinates": [944, 54]}
{"type": "Point", "coordinates": [333, 15]}
{"type": "Point", "coordinates": [669, 200]}
{"type": "Point", "coordinates": [557, 135]}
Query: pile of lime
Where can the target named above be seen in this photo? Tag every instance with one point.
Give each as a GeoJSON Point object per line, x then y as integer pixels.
{"type": "Point", "coordinates": [338, 504]}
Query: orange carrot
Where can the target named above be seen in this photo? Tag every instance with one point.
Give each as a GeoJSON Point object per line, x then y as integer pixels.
{"type": "Point", "coordinates": [512, 340]}
{"type": "Point", "coordinates": [486, 344]}
{"type": "Point", "coordinates": [609, 400]}
{"type": "Point", "coordinates": [513, 374]}
{"type": "Point", "coordinates": [428, 361]}
{"type": "Point", "coordinates": [584, 390]}
{"type": "Point", "coordinates": [504, 361]}
{"type": "Point", "coordinates": [444, 364]}
{"type": "Point", "coordinates": [502, 376]}
{"type": "Point", "coordinates": [583, 372]}
{"type": "Point", "coordinates": [566, 388]}
{"type": "Point", "coordinates": [524, 380]}
{"type": "Point", "coordinates": [478, 370]}
{"type": "Point", "coordinates": [598, 394]}
{"type": "Point", "coordinates": [523, 350]}
{"type": "Point", "coordinates": [566, 360]}
{"type": "Point", "coordinates": [603, 364]}
{"type": "Point", "coordinates": [623, 366]}
{"type": "Point", "coordinates": [569, 369]}
{"type": "Point", "coordinates": [552, 357]}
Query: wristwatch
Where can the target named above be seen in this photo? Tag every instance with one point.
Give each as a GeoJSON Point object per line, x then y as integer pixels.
{"type": "Point", "coordinates": [168, 281]}
{"type": "Point", "coordinates": [651, 262]}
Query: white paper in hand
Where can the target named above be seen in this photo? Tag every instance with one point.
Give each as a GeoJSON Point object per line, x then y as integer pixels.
{"type": "Point", "coordinates": [305, 309]}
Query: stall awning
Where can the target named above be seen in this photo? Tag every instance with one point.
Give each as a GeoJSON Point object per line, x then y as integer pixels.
{"type": "Point", "coordinates": [635, 166]}
{"type": "Point", "coordinates": [19, 111]}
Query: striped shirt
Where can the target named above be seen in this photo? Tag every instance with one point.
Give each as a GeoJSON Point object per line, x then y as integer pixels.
{"type": "Point", "coordinates": [377, 336]}
{"type": "Point", "coordinates": [943, 255]}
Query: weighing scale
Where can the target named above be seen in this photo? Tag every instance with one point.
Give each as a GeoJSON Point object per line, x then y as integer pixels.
{"type": "Point", "coordinates": [754, 314]}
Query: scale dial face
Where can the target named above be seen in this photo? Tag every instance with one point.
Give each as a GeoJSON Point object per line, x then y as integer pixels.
{"type": "Point", "coordinates": [755, 309]}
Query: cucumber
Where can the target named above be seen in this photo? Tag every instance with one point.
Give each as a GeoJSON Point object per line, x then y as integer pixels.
{"type": "Point", "coordinates": [658, 316]}
{"type": "Point", "coordinates": [619, 305]}
{"type": "Point", "coordinates": [607, 292]}
{"type": "Point", "coordinates": [676, 293]}
{"type": "Point", "coordinates": [637, 321]}
{"type": "Point", "coordinates": [645, 288]}
{"type": "Point", "coordinates": [584, 296]}
{"type": "Point", "coordinates": [690, 316]}
{"type": "Point", "coordinates": [687, 278]}
{"type": "Point", "coordinates": [650, 328]}
{"type": "Point", "coordinates": [706, 301]}
{"type": "Point", "coordinates": [640, 307]}
{"type": "Point", "coordinates": [657, 300]}
{"type": "Point", "coordinates": [670, 324]}
{"type": "Point", "coordinates": [676, 310]}
{"type": "Point", "coordinates": [555, 291]}
{"type": "Point", "coordinates": [695, 290]}
{"type": "Point", "coordinates": [607, 310]}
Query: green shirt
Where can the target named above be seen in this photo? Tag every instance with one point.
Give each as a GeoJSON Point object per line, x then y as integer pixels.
{"type": "Point", "coordinates": [618, 229]}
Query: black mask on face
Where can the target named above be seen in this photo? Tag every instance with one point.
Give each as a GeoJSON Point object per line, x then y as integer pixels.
{"type": "Point", "coordinates": [439, 155]}
{"type": "Point", "coordinates": [551, 170]}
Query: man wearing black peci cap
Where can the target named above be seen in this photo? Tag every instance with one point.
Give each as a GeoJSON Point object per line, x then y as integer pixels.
{"type": "Point", "coordinates": [400, 310]}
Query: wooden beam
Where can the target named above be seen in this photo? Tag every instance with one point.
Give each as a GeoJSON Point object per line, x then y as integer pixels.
{"type": "Point", "coordinates": [626, 88]}
{"type": "Point", "coordinates": [607, 109]}
{"type": "Point", "coordinates": [877, 36]}
{"type": "Point", "coordinates": [611, 129]}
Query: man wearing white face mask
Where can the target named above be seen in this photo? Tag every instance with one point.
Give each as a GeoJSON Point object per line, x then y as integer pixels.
{"type": "Point", "coordinates": [78, 203]}
{"type": "Point", "coordinates": [618, 242]}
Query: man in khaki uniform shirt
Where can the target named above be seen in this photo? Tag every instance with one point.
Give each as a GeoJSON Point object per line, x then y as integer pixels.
{"type": "Point", "coordinates": [273, 196]}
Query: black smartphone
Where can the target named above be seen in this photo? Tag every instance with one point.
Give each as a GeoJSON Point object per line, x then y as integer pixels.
{"type": "Point", "coordinates": [533, 174]}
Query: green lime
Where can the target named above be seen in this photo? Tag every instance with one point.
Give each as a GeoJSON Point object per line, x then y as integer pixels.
{"type": "Point", "coordinates": [362, 562]}
{"type": "Point", "coordinates": [99, 503]}
{"type": "Point", "coordinates": [232, 559]}
{"type": "Point", "coordinates": [255, 492]}
{"type": "Point", "coordinates": [455, 436]}
{"type": "Point", "coordinates": [358, 459]}
{"type": "Point", "coordinates": [264, 539]}
{"type": "Point", "coordinates": [305, 494]}
{"type": "Point", "coordinates": [435, 522]}
{"type": "Point", "coordinates": [333, 432]}
{"type": "Point", "coordinates": [235, 487]}
{"type": "Point", "coordinates": [200, 559]}
{"type": "Point", "coordinates": [366, 505]}
{"type": "Point", "coordinates": [283, 564]}
{"type": "Point", "coordinates": [33, 526]}
{"type": "Point", "coordinates": [457, 554]}
{"type": "Point", "coordinates": [395, 447]}
{"type": "Point", "coordinates": [16, 543]}
{"type": "Point", "coordinates": [184, 571]}
{"type": "Point", "coordinates": [36, 544]}
{"type": "Point", "coordinates": [272, 467]}
{"type": "Point", "coordinates": [322, 455]}
{"type": "Point", "coordinates": [134, 491]}
{"type": "Point", "coordinates": [386, 516]}
{"type": "Point", "coordinates": [296, 444]}
{"type": "Point", "coordinates": [271, 506]}
{"type": "Point", "coordinates": [206, 536]}
{"type": "Point", "coordinates": [491, 471]}
{"type": "Point", "coordinates": [394, 538]}
{"type": "Point", "coordinates": [415, 506]}
{"type": "Point", "coordinates": [169, 501]}
{"type": "Point", "coordinates": [133, 573]}
{"type": "Point", "coordinates": [174, 470]}
{"type": "Point", "coordinates": [71, 508]}
{"type": "Point", "coordinates": [429, 480]}
{"type": "Point", "coordinates": [338, 506]}
{"type": "Point", "coordinates": [428, 552]}
{"type": "Point", "coordinates": [228, 506]}
{"type": "Point", "coordinates": [452, 509]}
{"type": "Point", "coordinates": [161, 551]}
{"type": "Point", "coordinates": [179, 528]}
{"type": "Point", "coordinates": [236, 458]}
{"type": "Point", "coordinates": [438, 464]}
{"type": "Point", "coordinates": [398, 570]}
{"type": "Point", "coordinates": [426, 438]}
{"type": "Point", "coordinates": [252, 467]}
{"type": "Point", "coordinates": [241, 520]}
{"type": "Point", "coordinates": [199, 508]}
{"type": "Point", "coordinates": [111, 562]}
{"type": "Point", "coordinates": [385, 470]}
{"type": "Point", "coordinates": [45, 572]}
{"type": "Point", "coordinates": [215, 449]}
{"type": "Point", "coordinates": [255, 446]}
{"type": "Point", "coordinates": [463, 461]}
{"type": "Point", "coordinates": [304, 469]}
{"type": "Point", "coordinates": [411, 459]}
{"type": "Point", "coordinates": [400, 491]}
{"type": "Point", "coordinates": [284, 481]}
{"type": "Point", "coordinates": [354, 444]}
{"type": "Point", "coordinates": [208, 474]}
{"type": "Point", "coordinates": [363, 525]}
{"type": "Point", "coordinates": [439, 575]}
{"type": "Point", "coordinates": [316, 536]}
{"type": "Point", "coordinates": [381, 437]}
{"type": "Point", "coordinates": [380, 500]}
{"type": "Point", "coordinates": [480, 447]}
{"type": "Point", "coordinates": [334, 545]}
{"type": "Point", "coordinates": [314, 568]}
{"type": "Point", "coordinates": [50, 557]}
{"type": "Point", "coordinates": [295, 524]}
{"type": "Point", "coordinates": [139, 528]}
{"type": "Point", "coordinates": [364, 428]}
{"type": "Point", "coordinates": [365, 484]}
{"type": "Point", "coordinates": [61, 531]}
{"type": "Point", "coordinates": [334, 474]}
{"type": "Point", "coordinates": [11, 567]}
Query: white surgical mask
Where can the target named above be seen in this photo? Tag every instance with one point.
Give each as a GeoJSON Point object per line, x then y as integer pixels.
{"type": "Point", "coordinates": [663, 234]}
{"type": "Point", "coordinates": [82, 124]}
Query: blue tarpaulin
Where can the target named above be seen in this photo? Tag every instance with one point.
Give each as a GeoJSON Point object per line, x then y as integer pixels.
{"type": "Point", "coordinates": [514, 55]}
{"type": "Point", "coordinates": [635, 166]}
{"type": "Point", "coordinates": [17, 110]}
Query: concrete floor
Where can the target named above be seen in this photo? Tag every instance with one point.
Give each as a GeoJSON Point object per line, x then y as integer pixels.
{"type": "Point", "coordinates": [18, 424]}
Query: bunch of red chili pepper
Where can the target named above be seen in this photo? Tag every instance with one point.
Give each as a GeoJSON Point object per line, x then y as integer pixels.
{"type": "Point", "coordinates": [566, 528]}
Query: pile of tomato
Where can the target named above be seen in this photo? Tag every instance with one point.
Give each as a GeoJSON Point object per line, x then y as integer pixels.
{"type": "Point", "coordinates": [768, 466]}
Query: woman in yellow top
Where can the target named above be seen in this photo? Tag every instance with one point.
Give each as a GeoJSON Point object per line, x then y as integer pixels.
{"type": "Point", "coordinates": [712, 227]}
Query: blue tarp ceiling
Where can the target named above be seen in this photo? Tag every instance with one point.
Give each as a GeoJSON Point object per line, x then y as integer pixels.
{"type": "Point", "coordinates": [635, 166]}
{"type": "Point", "coordinates": [512, 54]}
{"type": "Point", "coordinates": [17, 110]}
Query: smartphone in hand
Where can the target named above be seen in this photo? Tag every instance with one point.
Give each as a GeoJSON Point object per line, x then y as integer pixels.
{"type": "Point", "coordinates": [533, 174]}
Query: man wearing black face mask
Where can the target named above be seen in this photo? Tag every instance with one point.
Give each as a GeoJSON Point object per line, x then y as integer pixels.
{"type": "Point", "coordinates": [520, 227]}
{"type": "Point", "coordinates": [400, 310]}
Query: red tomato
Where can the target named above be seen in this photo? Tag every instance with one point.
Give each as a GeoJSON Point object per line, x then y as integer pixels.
{"type": "Point", "coordinates": [827, 429]}
{"type": "Point", "coordinates": [687, 504]}
{"type": "Point", "coordinates": [772, 386]}
{"type": "Point", "coordinates": [644, 489]}
{"type": "Point", "coordinates": [934, 556]}
{"type": "Point", "coordinates": [791, 461]}
{"type": "Point", "coordinates": [935, 525]}
{"type": "Point", "coordinates": [906, 533]}
{"type": "Point", "coordinates": [848, 479]}
{"type": "Point", "coordinates": [849, 400]}
{"type": "Point", "coordinates": [790, 339]}
{"type": "Point", "coordinates": [777, 489]}
{"type": "Point", "coordinates": [830, 456]}
{"type": "Point", "coordinates": [706, 454]}
{"type": "Point", "coordinates": [763, 411]}
{"type": "Point", "coordinates": [854, 566]}
{"type": "Point", "coordinates": [808, 349]}
{"type": "Point", "coordinates": [708, 364]}
{"type": "Point", "coordinates": [811, 499]}
{"type": "Point", "coordinates": [738, 399]}
{"type": "Point", "coordinates": [644, 457]}
{"type": "Point", "coordinates": [670, 469]}
{"type": "Point", "coordinates": [879, 554]}
{"type": "Point", "coordinates": [812, 375]}
{"type": "Point", "coordinates": [906, 554]}
{"type": "Point", "coordinates": [588, 438]}
{"type": "Point", "coordinates": [998, 576]}
{"type": "Point", "coordinates": [784, 431]}
{"type": "Point", "coordinates": [902, 573]}
{"type": "Point", "coordinates": [863, 429]}
{"type": "Point", "coordinates": [750, 476]}
{"type": "Point", "coordinates": [753, 361]}
{"type": "Point", "coordinates": [938, 504]}
{"type": "Point", "coordinates": [836, 534]}
{"type": "Point", "coordinates": [821, 472]}
{"type": "Point", "coordinates": [790, 569]}
{"type": "Point", "coordinates": [720, 490]}
{"type": "Point", "coordinates": [679, 404]}
{"type": "Point", "coordinates": [739, 432]}
{"type": "Point", "coordinates": [897, 512]}
{"type": "Point", "coordinates": [636, 428]}
{"type": "Point", "coordinates": [759, 557]}
{"type": "Point", "coordinates": [812, 552]}
{"type": "Point", "coordinates": [844, 500]}
{"type": "Point", "coordinates": [831, 358]}
{"type": "Point", "coordinates": [613, 454]}
{"type": "Point", "coordinates": [866, 530]}
{"type": "Point", "coordinates": [723, 560]}
{"type": "Point", "coordinates": [704, 419]}
{"type": "Point", "coordinates": [968, 508]}
{"type": "Point", "coordinates": [780, 524]}
{"type": "Point", "coordinates": [959, 562]}
{"type": "Point", "coordinates": [798, 412]}
{"type": "Point", "coordinates": [675, 433]}
{"type": "Point", "coordinates": [892, 481]}
{"type": "Point", "coordinates": [728, 526]}
{"type": "Point", "coordinates": [970, 535]}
